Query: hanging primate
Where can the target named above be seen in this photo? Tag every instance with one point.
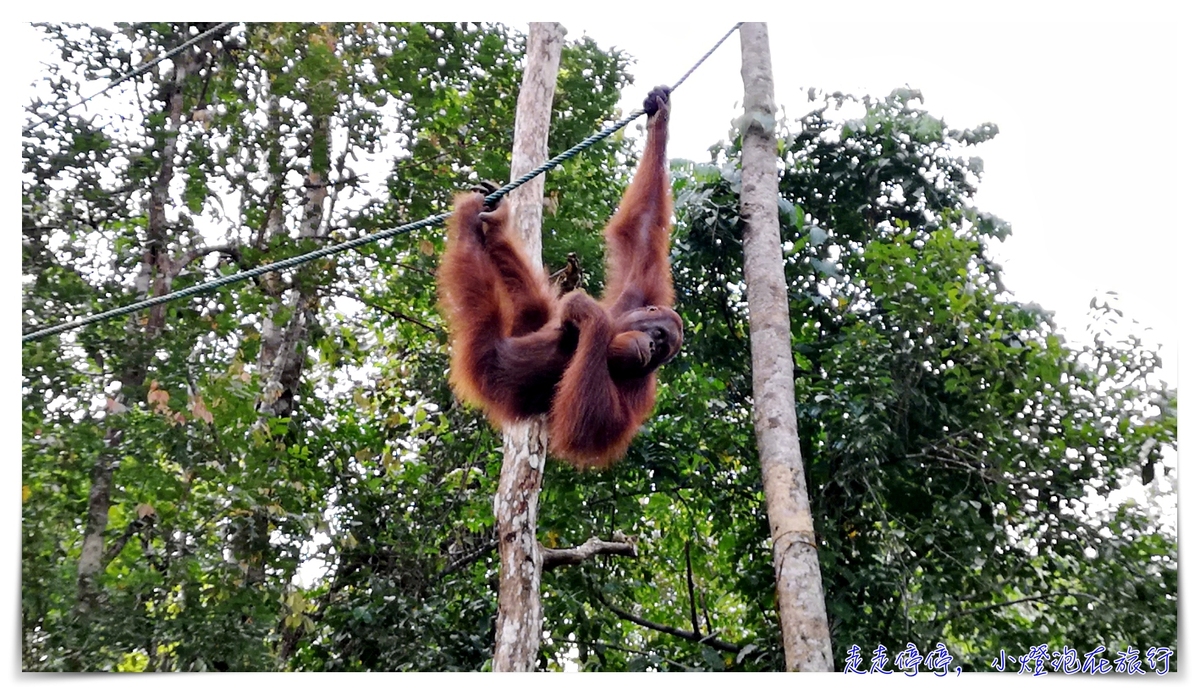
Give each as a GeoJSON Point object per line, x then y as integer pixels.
{"type": "Point", "coordinates": [517, 351]}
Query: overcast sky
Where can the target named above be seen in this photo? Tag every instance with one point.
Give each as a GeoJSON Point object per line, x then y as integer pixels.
{"type": "Point", "coordinates": [1095, 165]}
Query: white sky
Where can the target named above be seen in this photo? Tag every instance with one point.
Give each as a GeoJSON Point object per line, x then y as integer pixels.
{"type": "Point", "coordinates": [1094, 165]}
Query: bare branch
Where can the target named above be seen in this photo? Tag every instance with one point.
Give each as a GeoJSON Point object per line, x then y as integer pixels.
{"type": "Point", "coordinates": [191, 256]}
{"type": "Point", "coordinates": [554, 557]}
{"type": "Point", "coordinates": [119, 544]}
{"type": "Point", "coordinates": [627, 650]}
{"type": "Point", "coordinates": [687, 556]}
{"type": "Point", "coordinates": [711, 639]}
{"type": "Point", "coordinates": [467, 559]}
{"type": "Point", "coordinates": [1041, 598]}
{"type": "Point", "coordinates": [394, 313]}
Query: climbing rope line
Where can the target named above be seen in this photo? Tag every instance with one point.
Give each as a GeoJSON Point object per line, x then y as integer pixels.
{"type": "Point", "coordinates": [360, 241]}
{"type": "Point", "coordinates": [133, 73]}
{"type": "Point", "coordinates": [705, 56]}
{"type": "Point", "coordinates": [593, 139]}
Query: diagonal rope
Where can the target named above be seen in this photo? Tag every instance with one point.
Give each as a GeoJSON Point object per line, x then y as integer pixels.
{"type": "Point", "coordinates": [593, 139]}
{"type": "Point", "coordinates": [360, 241]}
{"type": "Point", "coordinates": [705, 56]}
{"type": "Point", "coordinates": [133, 73]}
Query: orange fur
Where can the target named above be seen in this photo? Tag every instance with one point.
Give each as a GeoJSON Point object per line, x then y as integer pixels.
{"type": "Point", "coordinates": [517, 352]}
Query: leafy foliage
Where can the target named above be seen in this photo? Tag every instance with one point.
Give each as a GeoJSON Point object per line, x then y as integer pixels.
{"type": "Point", "coordinates": [958, 449]}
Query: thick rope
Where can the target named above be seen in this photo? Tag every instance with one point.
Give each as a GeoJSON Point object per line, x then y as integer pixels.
{"type": "Point", "coordinates": [360, 241]}
{"type": "Point", "coordinates": [133, 73]}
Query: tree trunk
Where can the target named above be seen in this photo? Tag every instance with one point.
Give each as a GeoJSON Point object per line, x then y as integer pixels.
{"type": "Point", "coordinates": [797, 573]}
{"type": "Point", "coordinates": [153, 280]}
{"type": "Point", "coordinates": [288, 324]}
{"type": "Point", "coordinates": [519, 622]}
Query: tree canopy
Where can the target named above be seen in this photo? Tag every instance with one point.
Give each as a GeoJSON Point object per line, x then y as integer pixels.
{"type": "Point", "coordinates": [275, 475]}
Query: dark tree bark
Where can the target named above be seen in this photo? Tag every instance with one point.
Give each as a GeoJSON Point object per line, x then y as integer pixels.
{"type": "Point", "coordinates": [153, 280]}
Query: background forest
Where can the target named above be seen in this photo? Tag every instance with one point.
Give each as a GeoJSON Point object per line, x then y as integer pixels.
{"type": "Point", "coordinates": [275, 475]}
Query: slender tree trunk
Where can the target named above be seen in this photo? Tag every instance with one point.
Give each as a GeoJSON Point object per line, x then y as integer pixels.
{"type": "Point", "coordinates": [519, 623]}
{"type": "Point", "coordinates": [286, 329]}
{"type": "Point", "coordinates": [153, 280]}
{"type": "Point", "coordinates": [797, 573]}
